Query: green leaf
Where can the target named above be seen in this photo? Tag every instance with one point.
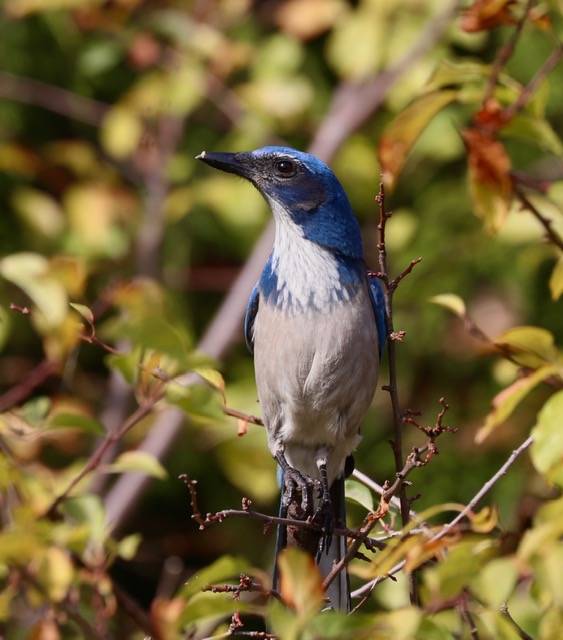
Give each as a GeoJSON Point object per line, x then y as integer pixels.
{"type": "Point", "coordinates": [83, 311]}
{"type": "Point", "coordinates": [137, 461]}
{"type": "Point", "coordinates": [449, 73]}
{"type": "Point", "coordinates": [334, 625]}
{"type": "Point", "coordinates": [531, 347]}
{"type": "Point", "coordinates": [30, 272]}
{"type": "Point", "coordinates": [556, 280]}
{"type": "Point", "coordinates": [300, 582]}
{"type": "Point", "coordinates": [55, 573]}
{"type": "Point", "coordinates": [5, 325]}
{"type": "Point", "coordinates": [508, 399]}
{"type": "Point", "coordinates": [547, 448]}
{"type": "Point", "coordinates": [212, 377]}
{"type": "Point", "coordinates": [76, 421]}
{"type": "Point", "coordinates": [397, 625]}
{"type": "Point", "coordinates": [201, 404]}
{"type": "Point", "coordinates": [534, 130]}
{"type": "Point", "coordinates": [401, 134]}
{"type": "Point", "coordinates": [204, 606]}
{"type": "Point", "coordinates": [358, 492]}
{"type": "Point", "coordinates": [127, 547]}
{"type": "Point", "coordinates": [451, 302]}
{"type": "Point", "coordinates": [496, 581]}
{"type": "Point", "coordinates": [222, 569]}
{"type": "Point", "coordinates": [87, 509]}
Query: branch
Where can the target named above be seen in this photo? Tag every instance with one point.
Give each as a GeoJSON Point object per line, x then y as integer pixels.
{"type": "Point", "coordinates": [528, 91]}
{"type": "Point", "coordinates": [346, 113]}
{"type": "Point", "coordinates": [484, 489]}
{"type": "Point", "coordinates": [61, 101]}
{"type": "Point", "coordinates": [99, 453]}
{"type": "Point", "coordinates": [552, 235]}
{"type": "Point", "coordinates": [505, 54]}
{"type": "Point", "coordinates": [37, 376]}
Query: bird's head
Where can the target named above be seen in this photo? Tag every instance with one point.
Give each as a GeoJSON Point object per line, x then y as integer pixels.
{"type": "Point", "coordinates": [301, 190]}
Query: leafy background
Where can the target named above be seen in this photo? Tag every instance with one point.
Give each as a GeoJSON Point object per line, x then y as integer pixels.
{"type": "Point", "coordinates": [104, 106]}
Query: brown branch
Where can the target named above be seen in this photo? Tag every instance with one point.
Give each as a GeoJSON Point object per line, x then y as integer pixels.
{"type": "Point", "coordinates": [39, 94]}
{"type": "Point", "coordinates": [36, 377]}
{"type": "Point", "coordinates": [98, 454]}
{"type": "Point", "coordinates": [392, 388]}
{"type": "Point", "coordinates": [346, 113]}
{"type": "Point", "coordinates": [528, 91]}
{"type": "Point", "coordinates": [552, 235]}
{"type": "Point", "coordinates": [505, 54]}
{"type": "Point", "coordinates": [235, 413]}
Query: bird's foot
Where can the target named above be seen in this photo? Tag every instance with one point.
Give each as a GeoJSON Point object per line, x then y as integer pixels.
{"type": "Point", "coordinates": [297, 487]}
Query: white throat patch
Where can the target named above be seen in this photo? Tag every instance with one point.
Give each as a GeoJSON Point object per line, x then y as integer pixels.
{"type": "Point", "coordinates": [307, 274]}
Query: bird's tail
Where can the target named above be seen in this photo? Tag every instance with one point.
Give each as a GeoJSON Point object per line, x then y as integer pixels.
{"type": "Point", "coordinates": [338, 592]}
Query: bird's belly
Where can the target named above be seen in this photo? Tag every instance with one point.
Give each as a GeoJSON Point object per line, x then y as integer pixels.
{"type": "Point", "coordinates": [316, 375]}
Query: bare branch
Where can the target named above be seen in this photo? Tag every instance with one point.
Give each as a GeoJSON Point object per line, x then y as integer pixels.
{"type": "Point", "coordinates": [552, 235]}
{"type": "Point", "coordinates": [61, 101]}
{"type": "Point", "coordinates": [20, 392]}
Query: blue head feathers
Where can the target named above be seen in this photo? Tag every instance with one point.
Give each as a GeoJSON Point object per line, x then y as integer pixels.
{"type": "Point", "coordinates": [301, 189]}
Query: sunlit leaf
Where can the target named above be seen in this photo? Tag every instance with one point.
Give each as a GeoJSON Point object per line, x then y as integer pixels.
{"type": "Point", "coordinates": [530, 346]}
{"type": "Point", "coordinates": [39, 210]}
{"type": "Point", "coordinates": [401, 134]}
{"type": "Point", "coordinates": [451, 302]}
{"type": "Point", "coordinates": [358, 492]}
{"type": "Point", "coordinates": [83, 311]}
{"type": "Point", "coordinates": [222, 569]}
{"type": "Point", "coordinates": [301, 582]}
{"type": "Point", "coordinates": [556, 280]}
{"type": "Point", "coordinates": [75, 421]}
{"type": "Point", "coordinates": [137, 462]}
{"type": "Point", "coordinates": [212, 377]}
{"type": "Point", "coordinates": [30, 272]}
{"type": "Point", "coordinates": [127, 547]}
{"type": "Point", "coordinates": [496, 581]}
{"type": "Point", "coordinates": [56, 573]}
{"type": "Point", "coordinates": [121, 131]}
{"type": "Point", "coordinates": [306, 19]}
{"type": "Point", "coordinates": [397, 625]}
{"type": "Point", "coordinates": [449, 73]}
{"type": "Point", "coordinates": [547, 448]}
{"type": "Point", "coordinates": [534, 130]}
{"type": "Point", "coordinates": [508, 399]}
{"type": "Point", "coordinates": [484, 521]}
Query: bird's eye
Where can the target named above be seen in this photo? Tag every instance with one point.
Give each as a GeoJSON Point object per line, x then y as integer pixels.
{"type": "Point", "coordinates": [285, 168]}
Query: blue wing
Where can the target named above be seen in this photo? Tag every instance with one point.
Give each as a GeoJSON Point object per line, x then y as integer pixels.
{"type": "Point", "coordinates": [250, 316]}
{"type": "Point", "coordinates": [378, 304]}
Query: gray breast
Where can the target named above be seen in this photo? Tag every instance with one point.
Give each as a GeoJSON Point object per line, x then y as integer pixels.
{"type": "Point", "coordinates": [316, 375]}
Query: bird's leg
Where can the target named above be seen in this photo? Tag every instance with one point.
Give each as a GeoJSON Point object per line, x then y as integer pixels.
{"type": "Point", "coordinates": [293, 480]}
{"type": "Point", "coordinates": [325, 510]}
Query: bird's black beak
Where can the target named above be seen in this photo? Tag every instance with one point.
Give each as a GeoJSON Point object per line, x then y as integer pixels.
{"type": "Point", "coordinates": [236, 163]}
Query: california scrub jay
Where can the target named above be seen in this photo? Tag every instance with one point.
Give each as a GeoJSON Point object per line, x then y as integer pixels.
{"type": "Point", "coordinates": [315, 323]}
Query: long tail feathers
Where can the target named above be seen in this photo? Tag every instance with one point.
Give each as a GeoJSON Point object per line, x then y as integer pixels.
{"type": "Point", "coordinates": [338, 592]}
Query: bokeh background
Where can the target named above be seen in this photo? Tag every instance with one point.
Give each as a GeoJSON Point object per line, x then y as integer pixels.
{"type": "Point", "coordinates": [103, 106]}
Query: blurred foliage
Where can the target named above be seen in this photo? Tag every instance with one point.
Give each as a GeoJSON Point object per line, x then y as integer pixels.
{"type": "Point", "coordinates": [116, 250]}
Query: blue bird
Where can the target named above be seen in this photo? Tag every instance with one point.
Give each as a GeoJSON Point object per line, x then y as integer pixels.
{"type": "Point", "coordinates": [315, 323]}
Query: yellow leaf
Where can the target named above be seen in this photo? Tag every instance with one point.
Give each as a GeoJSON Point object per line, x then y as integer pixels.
{"type": "Point", "coordinates": [30, 272]}
{"type": "Point", "coordinates": [401, 134]}
{"type": "Point", "coordinates": [531, 347]}
{"type": "Point", "coordinates": [306, 19]}
{"type": "Point", "coordinates": [301, 582]}
{"type": "Point", "coordinates": [485, 520]}
{"type": "Point", "coordinates": [508, 399]}
{"type": "Point", "coordinates": [138, 461]}
{"type": "Point", "coordinates": [547, 448]}
{"type": "Point", "coordinates": [55, 573]}
{"type": "Point", "coordinates": [451, 302]}
{"type": "Point", "coordinates": [556, 280]}
{"type": "Point", "coordinates": [39, 210]}
{"type": "Point", "coordinates": [121, 132]}
{"type": "Point", "coordinates": [212, 377]}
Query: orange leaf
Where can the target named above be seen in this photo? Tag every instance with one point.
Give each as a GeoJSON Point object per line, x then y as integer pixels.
{"type": "Point", "coordinates": [489, 177]}
{"type": "Point", "coordinates": [483, 15]}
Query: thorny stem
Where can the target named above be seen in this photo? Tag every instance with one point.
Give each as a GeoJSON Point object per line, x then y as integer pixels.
{"type": "Point", "coordinates": [397, 443]}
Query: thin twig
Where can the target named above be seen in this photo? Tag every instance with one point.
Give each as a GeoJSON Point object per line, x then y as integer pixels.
{"type": "Point", "coordinates": [98, 455]}
{"type": "Point", "coordinates": [552, 235]}
{"type": "Point", "coordinates": [528, 91]}
{"type": "Point", "coordinates": [392, 387]}
{"type": "Point", "coordinates": [505, 54]}
{"type": "Point", "coordinates": [484, 489]}
{"type": "Point", "coordinates": [20, 392]}
{"type": "Point", "coordinates": [506, 613]}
